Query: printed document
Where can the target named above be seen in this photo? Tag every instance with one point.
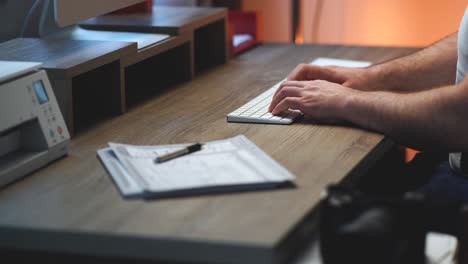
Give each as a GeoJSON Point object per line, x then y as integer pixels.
{"type": "Point", "coordinates": [232, 164]}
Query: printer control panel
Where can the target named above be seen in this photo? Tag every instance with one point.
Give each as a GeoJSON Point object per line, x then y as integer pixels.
{"type": "Point", "coordinates": [52, 119]}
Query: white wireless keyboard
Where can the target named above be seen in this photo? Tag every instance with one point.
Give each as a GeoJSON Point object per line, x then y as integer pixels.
{"type": "Point", "coordinates": [256, 111]}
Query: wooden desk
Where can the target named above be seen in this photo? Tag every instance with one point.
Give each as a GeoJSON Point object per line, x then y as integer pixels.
{"type": "Point", "coordinates": [73, 207]}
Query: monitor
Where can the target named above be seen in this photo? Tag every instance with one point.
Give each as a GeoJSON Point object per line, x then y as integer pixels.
{"type": "Point", "coordinates": [38, 18]}
{"type": "Point", "coordinates": [58, 18]}
{"type": "Point", "coordinates": [70, 12]}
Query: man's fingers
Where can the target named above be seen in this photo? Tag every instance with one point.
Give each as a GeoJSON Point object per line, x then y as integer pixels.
{"type": "Point", "coordinates": [287, 103]}
{"type": "Point", "coordinates": [299, 73]}
{"type": "Point", "coordinates": [293, 83]}
{"type": "Point", "coordinates": [287, 91]}
{"type": "Point", "coordinates": [308, 72]}
{"type": "Point", "coordinates": [288, 84]}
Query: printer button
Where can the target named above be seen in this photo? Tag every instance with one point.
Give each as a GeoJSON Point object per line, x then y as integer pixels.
{"type": "Point", "coordinates": [52, 133]}
{"type": "Point", "coordinates": [59, 130]}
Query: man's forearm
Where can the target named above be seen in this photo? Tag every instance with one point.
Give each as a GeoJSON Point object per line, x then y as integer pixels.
{"type": "Point", "coordinates": [425, 120]}
{"type": "Point", "coordinates": [431, 67]}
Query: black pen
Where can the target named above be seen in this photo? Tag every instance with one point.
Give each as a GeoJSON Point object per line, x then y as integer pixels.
{"type": "Point", "coordinates": [187, 150]}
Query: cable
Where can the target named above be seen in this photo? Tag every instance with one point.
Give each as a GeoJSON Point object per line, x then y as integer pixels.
{"type": "Point", "coordinates": [27, 19]}
{"type": "Point", "coordinates": [296, 9]}
{"type": "Point", "coordinates": [44, 16]}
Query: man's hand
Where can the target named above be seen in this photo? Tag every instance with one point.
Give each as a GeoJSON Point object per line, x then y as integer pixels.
{"type": "Point", "coordinates": [318, 100]}
{"type": "Point", "coordinates": [357, 78]}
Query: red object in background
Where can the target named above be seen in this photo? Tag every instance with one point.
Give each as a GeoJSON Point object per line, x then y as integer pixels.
{"type": "Point", "coordinates": [410, 154]}
{"type": "Point", "coordinates": [144, 7]}
{"type": "Point", "coordinates": [241, 23]}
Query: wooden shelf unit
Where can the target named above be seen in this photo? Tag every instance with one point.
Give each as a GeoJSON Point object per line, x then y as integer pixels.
{"type": "Point", "coordinates": [207, 25]}
{"type": "Point", "coordinates": [95, 80]}
{"type": "Point", "coordinates": [85, 75]}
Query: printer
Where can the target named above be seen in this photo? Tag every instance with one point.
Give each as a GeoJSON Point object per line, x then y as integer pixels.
{"type": "Point", "coordinates": [32, 129]}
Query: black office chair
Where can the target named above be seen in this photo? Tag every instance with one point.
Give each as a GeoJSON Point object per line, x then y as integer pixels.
{"type": "Point", "coordinates": [385, 229]}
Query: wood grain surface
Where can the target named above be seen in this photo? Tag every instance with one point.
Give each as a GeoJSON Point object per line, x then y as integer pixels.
{"type": "Point", "coordinates": [66, 58]}
{"type": "Point", "coordinates": [149, 52]}
{"type": "Point", "coordinates": [163, 20]}
{"type": "Point", "coordinates": [76, 196]}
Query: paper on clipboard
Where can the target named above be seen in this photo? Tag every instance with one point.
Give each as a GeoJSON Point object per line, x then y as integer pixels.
{"type": "Point", "coordinates": [235, 162]}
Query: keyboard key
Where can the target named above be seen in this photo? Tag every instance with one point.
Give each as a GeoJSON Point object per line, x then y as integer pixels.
{"type": "Point", "coordinates": [267, 115]}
